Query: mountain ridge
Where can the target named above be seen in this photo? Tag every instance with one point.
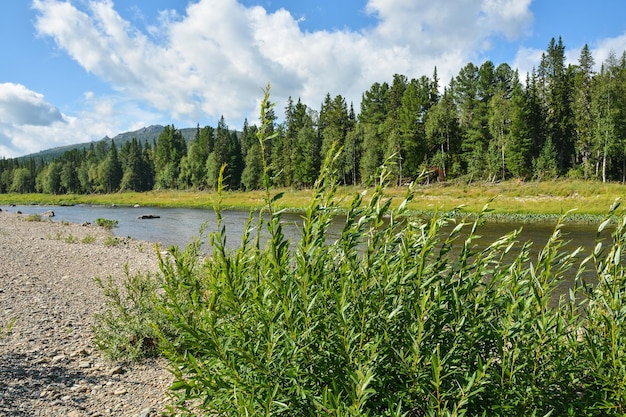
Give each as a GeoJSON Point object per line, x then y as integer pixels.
{"type": "Point", "coordinates": [146, 133]}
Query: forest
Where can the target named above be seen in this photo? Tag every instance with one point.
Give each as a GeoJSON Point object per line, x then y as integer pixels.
{"type": "Point", "coordinates": [487, 124]}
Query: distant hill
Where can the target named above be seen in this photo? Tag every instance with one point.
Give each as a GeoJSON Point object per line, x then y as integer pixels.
{"type": "Point", "coordinates": [149, 134]}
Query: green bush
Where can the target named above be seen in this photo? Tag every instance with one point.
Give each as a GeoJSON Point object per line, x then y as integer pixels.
{"type": "Point", "coordinates": [127, 329]}
{"type": "Point", "coordinates": [106, 223]}
{"type": "Point", "coordinates": [396, 317]}
{"type": "Point", "coordinates": [35, 217]}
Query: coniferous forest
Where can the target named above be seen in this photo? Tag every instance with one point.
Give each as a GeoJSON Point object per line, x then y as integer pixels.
{"type": "Point", "coordinates": [486, 124]}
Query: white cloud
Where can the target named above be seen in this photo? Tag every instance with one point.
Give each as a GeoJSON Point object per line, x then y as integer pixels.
{"type": "Point", "coordinates": [20, 106]}
{"type": "Point", "coordinates": [215, 58]}
{"type": "Point", "coordinates": [602, 49]}
{"type": "Point", "coordinates": [29, 124]}
{"type": "Point", "coordinates": [526, 60]}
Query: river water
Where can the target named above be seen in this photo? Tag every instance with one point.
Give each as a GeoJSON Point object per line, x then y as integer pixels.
{"type": "Point", "coordinates": [177, 226]}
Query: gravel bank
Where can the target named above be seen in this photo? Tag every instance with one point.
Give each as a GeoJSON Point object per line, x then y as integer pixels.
{"type": "Point", "coordinates": [49, 364]}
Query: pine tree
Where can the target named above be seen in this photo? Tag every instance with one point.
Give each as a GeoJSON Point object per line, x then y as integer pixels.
{"type": "Point", "coordinates": [442, 133]}
{"type": "Point", "coordinates": [416, 101]}
{"type": "Point", "coordinates": [170, 149]}
{"type": "Point", "coordinates": [333, 129]}
{"type": "Point", "coordinates": [110, 171]}
{"type": "Point", "coordinates": [252, 176]}
{"type": "Point", "coordinates": [583, 110]}
{"type": "Point", "coordinates": [373, 114]}
{"type": "Point", "coordinates": [133, 166]}
{"type": "Point", "coordinates": [557, 82]}
{"type": "Point", "coordinates": [465, 90]}
{"type": "Point", "coordinates": [519, 160]}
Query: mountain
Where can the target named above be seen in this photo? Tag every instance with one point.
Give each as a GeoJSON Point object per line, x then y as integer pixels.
{"type": "Point", "coordinates": [149, 134]}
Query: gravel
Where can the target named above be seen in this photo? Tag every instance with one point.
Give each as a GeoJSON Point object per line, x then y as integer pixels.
{"type": "Point", "coordinates": [49, 364]}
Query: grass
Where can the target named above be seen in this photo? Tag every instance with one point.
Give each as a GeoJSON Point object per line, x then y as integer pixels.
{"type": "Point", "coordinates": [510, 199]}
{"type": "Point", "coordinates": [88, 239]}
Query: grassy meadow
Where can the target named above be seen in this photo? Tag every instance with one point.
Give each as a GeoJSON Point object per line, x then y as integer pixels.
{"type": "Point", "coordinates": [532, 201]}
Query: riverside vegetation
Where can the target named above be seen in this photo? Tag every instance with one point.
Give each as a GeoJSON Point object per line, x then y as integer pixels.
{"type": "Point", "coordinates": [383, 321]}
{"type": "Point", "coordinates": [487, 124]}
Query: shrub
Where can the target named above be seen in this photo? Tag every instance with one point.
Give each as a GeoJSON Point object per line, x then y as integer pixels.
{"type": "Point", "coordinates": [127, 327]}
{"type": "Point", "coordinates": [397, 317]}
{"type": "Point", "coordinates": [106, 223]}
{"type": "Point", "coordinates": [35, 217]}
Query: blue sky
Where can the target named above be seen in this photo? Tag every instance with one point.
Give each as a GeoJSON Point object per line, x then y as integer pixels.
{"type": "Point", "coordinates": [73, 71]}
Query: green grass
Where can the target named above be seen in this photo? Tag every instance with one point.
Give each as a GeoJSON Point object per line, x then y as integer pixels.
{"type": "Point", "coordinates": [89, 239]}
{"type": "Point", "coordinates": [509, 199]}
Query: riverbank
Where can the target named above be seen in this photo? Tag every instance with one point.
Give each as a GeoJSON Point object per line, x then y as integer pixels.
{"type": "Point", "coordinates": [510, 200]}
{"type": "Point", "coordinates": [49, 364]}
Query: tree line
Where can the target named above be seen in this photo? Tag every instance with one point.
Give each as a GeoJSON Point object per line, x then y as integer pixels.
{"type": "Point", "coordinates": [486, 124]}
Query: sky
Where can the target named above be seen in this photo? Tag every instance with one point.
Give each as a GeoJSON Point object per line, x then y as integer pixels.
{"type": "Point", "coordinates": [74, 71]}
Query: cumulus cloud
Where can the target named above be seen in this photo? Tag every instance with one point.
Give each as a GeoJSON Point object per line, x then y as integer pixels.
{"type": "Point", "coordinates": [29, 124]}
{"type": "Point", "coordinates": [24, 116]}
{"type": "Point", "coordinates": [214, 58]}
{"type": "Point", "coordinates": [528, 59]}
{"type": "Point", "coordinates": [21, 106]}
{"type": "Point", "coordinates": [603, 49]}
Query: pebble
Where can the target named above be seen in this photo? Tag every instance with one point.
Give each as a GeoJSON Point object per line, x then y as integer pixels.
{"type": "Point", "coordinates": [49, 364]}
{"type": "Point", "coordinates": [116, 370]}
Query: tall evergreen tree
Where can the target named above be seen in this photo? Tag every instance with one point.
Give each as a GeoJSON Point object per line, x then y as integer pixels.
{"type": "Point", "coordinates": [557, 81]}
{"type": "Point", "coordinates": [333, 129]}
{"type": "Point", "coordinates": [416, 101]}
{"type": "Point", "coordinates": [170, 149]}
{"type": "Point", "coordinates": [134, 167]}
{"type": "Point", "coordinates": [519, 158]}
{"type": "Point", "coordinates": [197, 155]}
{"type": "Point", "coordinates": [442, 133]}
{"type": "Point", "coordinates": [373, 114]}
{"type": "Point", "coordinates": [583, 110]}
{"type": "Point", "coordinates": [465, 90]}
{"type": "Point", "coordinates": [110, 171]}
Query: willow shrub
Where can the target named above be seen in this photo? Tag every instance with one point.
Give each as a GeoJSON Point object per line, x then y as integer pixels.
{"type": "Point", "coordinates": [396, 317]}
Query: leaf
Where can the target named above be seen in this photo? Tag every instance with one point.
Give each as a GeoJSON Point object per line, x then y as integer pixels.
{"type": "Point", "coordinates": [277, 197]}
{"type": "Point", "coordinates": [179, 385]}
{"type": "Point", "coordinates": [603, 225]}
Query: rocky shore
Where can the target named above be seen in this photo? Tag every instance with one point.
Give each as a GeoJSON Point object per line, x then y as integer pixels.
{"type": "Point", "coordinates": [49, 364]}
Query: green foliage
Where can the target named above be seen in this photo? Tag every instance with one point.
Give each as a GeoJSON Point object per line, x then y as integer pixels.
{"type": "Point", "coordinates": [35, 217]}
{"type": "Point", "coordinates": [113, 241]}
{"type": "Point", "coordinates": [6, 329]}
{"type": "Point", "coordinates": [88, 239]}
{"type": "Point", "coordinates": [397, 316]}
{"type": "Point", "coordinates": [71, 239]}
{"type": "Point", "coordinates": [106, 223]}
{"type": "Point", "coordinates": [487, 125]}
{"type": "Point", "coordinates": [127, 327]}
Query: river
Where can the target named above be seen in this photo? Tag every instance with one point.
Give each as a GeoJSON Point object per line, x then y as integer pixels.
{"type": "Point", "coordinates": [177, 226]}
